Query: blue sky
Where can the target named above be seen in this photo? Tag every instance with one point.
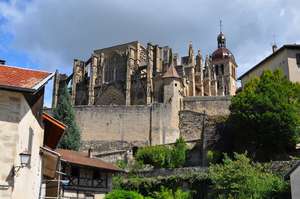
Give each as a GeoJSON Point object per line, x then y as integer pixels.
{"type": "Point", "coordinates": [49, 34]}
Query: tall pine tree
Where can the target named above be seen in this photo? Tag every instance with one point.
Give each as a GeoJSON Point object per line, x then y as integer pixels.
{"type": "Point", "coordinates": [64, 112]}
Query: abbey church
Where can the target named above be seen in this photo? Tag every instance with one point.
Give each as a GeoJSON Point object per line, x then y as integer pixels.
{"type": "Point", "coordinates": [134, 95]}
{"type": "Point", "coordinates": [133, 74]}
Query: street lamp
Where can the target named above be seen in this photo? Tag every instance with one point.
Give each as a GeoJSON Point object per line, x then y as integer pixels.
{"type": "Point", "coordinates": [24, 160]}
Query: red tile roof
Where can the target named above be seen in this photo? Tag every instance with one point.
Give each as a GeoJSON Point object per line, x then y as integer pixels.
{"type": "Point", "coordinates": [81, 158]}
{"type": "Point", "coordinates": [22, 79]}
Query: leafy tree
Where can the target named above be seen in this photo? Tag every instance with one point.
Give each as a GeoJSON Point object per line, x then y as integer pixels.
{"type": "Point", "coordinates": [238, 178]}
{"type": "Point", "coordinates": [64, 112]}
{"type": "Point", "coordinates": [265, 116]}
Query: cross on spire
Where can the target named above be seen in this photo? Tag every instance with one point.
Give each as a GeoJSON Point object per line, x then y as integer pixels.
{"type": "Point", "coordinates": [220, 25]}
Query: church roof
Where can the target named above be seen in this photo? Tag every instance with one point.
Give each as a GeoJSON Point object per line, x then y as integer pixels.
{"type": "Point", "coordinates": [171, 73]}
{"type": "Point", "coordinates": [222, 53]}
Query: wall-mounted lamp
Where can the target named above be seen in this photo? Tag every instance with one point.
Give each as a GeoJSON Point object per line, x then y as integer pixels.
{"type": "Point", "coordinates": [24, 159]}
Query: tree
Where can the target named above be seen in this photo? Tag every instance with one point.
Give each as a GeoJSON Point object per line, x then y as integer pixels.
{"type": "Point", "coordinates": [64, 112]}
{"type": "Point", "coordinates": [265, 116]}
{"type": "Point", "coordinates": [239, 178]}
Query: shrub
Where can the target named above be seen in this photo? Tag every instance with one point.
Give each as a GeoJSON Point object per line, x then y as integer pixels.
{"type": "Point", "coordinates": [239, 179]}
{"type": "Point", "coordinates": [179, 153]}
{"type": "Point", "coordinates": [163, 156]}
{"type": "Point", "coordinates": [122, 194]}
{"type": "Point", "coordinates": [213, 157]}
{"type": "Point", "coordinates": [169, 194]}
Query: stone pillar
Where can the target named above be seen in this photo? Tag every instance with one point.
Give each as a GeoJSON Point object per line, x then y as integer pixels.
{"type": "Point", "coordinates": [102, 67]}
{"type": "Point", "coordinates": [208, 68]}
{"type": "Point", "coordinates": [199, 72]}
{"type": "Point", "coordinates": [78, 73]}
{"type": "Point", "coordinates": [149, 73]}
{"type": "Point", "coordinates": [93, 76]}
{"type": "Point", "coordinates": [157, 61]}
{"type": "Point", "coordinates": [55, 89]}
{"type": "Point", "coordinates": [222, 86]}
{"type": "Point", "coordinates": [130, 65]}
{"type": "Point", "coordinates": [214, 81]}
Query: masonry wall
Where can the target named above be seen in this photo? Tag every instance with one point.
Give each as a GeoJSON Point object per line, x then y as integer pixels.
{"type": "Point", "coordinates": [17, 126]}
{"type": "Point", "coordinates": [117, 127]}
{"type": "Point", "coordinates": [212, 105]}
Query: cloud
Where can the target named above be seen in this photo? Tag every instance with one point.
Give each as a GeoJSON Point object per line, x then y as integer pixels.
{"type": "Point", "coordinates": [54, 32]}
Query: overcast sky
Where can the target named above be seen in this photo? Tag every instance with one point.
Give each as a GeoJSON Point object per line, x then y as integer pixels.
{"type": "Point", "coordinates": [49, 34]}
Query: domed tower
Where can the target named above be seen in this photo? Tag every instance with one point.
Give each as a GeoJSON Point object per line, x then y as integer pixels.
{"type": "Point", "coordinates": [224, 67]}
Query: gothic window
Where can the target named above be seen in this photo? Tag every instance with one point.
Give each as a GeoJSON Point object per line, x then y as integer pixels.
{"type": "Point", "coordinates": [217, 70]}
{"type": "Point", "coordinates": [298, 59]}
{"type": "Point", "coordinates": [222, 69]}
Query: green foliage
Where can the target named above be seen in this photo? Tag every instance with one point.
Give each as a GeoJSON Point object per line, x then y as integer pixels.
{"type": "Point", "coordinates": [195, 180]}
{"type": "Point", "coordinates": [64, 112]}
{"type": "Point", "coordinates": [239, 179]}
{"type": "Point", "coordinates": [121, 164]}
{"type": "Point", "coordinates": [170, 194]}
{"type": "Point", "coordinates": [265, 117]}
{"type": "Point", "coordinates": [163, 156]}
{"type": "Point", "coordinates": [179, 153]}
{"type": "Point", "coordinates": [214, 156]}
{"type": "Point", "coordinates": [123, 194]}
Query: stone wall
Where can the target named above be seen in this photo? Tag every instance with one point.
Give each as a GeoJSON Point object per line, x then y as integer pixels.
{"type": "Point", "coordinates": [113, 127]}
{"type": "Point", "coordinates": [117, 127]}
{"type": "Point", "coordinates": [212, 105]}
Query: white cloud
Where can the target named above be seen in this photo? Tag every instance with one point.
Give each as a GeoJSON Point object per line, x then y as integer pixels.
{"type": "Point", "coordinates": [53, 32]}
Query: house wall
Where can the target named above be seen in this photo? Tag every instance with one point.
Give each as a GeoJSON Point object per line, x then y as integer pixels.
{"type": "Point", "coordinates": [280, 61]}
{"type": "Point", "coordinates": [18, 124]}
{"type": "Point", "coordinates": [295, 183]}
{"type": "Point", "coordinates": [294, 69]}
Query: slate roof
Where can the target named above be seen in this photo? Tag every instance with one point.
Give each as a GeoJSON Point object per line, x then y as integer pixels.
{"type": "Point", "coordinates": [22, 79]}
{"type": "Point", "coordinates": [82, 159]}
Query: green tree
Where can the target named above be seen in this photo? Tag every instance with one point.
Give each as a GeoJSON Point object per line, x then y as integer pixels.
{"type": "Point", "coordinates": [64, 112]}
{"type": "Point", "coordinates": [238, 178]}
{"type": "Point", "coordinates": [265, 116]}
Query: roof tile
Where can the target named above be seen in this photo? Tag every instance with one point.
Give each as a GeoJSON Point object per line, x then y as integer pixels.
{"type": "Point", "coordinates": [14, 77]}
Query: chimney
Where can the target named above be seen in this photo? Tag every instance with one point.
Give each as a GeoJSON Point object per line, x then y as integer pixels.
{"type": "Point", "coordinates": [2, 62]}
{"type": "Point", "coordinates": [90, 152]}
{"type": "Point", "coordinates": [274, 47]}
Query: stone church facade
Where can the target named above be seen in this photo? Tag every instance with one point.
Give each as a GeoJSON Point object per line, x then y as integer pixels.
{"type": "Point", "coordinates": [130, 95]}
{"type": "Point", "coordinates": [132, 74]}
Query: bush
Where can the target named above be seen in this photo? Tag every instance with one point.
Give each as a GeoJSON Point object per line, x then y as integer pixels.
{"type": "Point", "coordinates": [214, 157]}
{"type": "Point", "coordinates": [122, 194]}
{"type": "Point", "coordinates": [169, 194]}
{"type": "Point", "coordinates": [163, 156]}
{"type": "Point", "coordinates": [239, 179]}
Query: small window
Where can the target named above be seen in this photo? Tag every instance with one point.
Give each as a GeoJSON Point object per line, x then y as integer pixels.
{"type": "Point", "coordinates": [175, 84]}
{"type": "Point", "coordinates": [298, 59]}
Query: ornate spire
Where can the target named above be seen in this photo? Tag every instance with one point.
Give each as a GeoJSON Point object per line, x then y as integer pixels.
{"type": "Point", "coordinates": [221, 37]}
